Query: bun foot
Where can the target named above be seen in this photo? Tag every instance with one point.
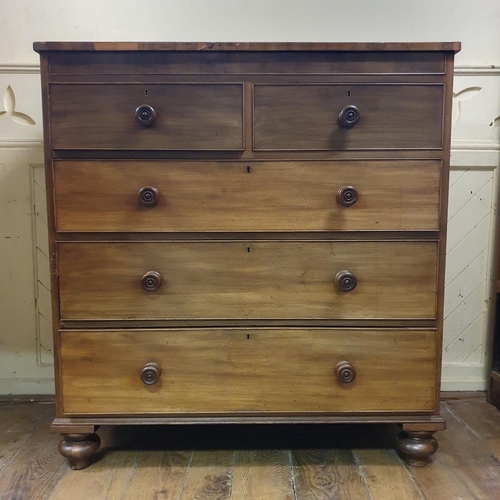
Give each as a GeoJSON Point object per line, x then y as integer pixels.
{"type": "Point", "coordinates": [78, 449]}
{"type": "Point", "coordinates": [415, 447]}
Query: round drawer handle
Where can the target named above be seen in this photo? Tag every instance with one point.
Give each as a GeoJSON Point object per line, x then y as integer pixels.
{"type": "Point", "coordinates": [151, 281]}
{"type": "Point", "coordinates": [347, 196]}
{"type": "Point", "coordinates": [349, 116]}
{"type": "Point", "coordinates": [345, 281]}
{"type": "Point", "coordinates": [148, 196]}
{"type": "Point", "coordinates": [345, 372]}
{"type": "Point", "coordinates": [150, 374]}
{"type": "Point", "coordinates": [145, 115]}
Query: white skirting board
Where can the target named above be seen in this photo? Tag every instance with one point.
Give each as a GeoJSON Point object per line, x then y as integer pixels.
{"type": "Point", "coordinates": [27, 386]}
{"type": "Point", "coordinates": [463, 377]}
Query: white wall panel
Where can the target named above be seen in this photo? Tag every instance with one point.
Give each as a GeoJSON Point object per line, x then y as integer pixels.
{"type": "Point", "coordinates": [475, 23]}
{"type": "Point", "coordinates": [25, 330]}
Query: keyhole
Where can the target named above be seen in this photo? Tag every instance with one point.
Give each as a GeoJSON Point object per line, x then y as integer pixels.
{"type": "Point", "coordinates": [146, 92]}
{"type": "Point", "coordinates": [248, 337]}
{"type": "Point", "coordinates": [348, 93]}
{"type": "Point", "coordinates": [248, 249]}
{"type": "Point", "coordinates": [248, 170]}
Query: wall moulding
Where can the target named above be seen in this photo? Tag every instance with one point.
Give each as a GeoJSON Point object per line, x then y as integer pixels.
{"type": "Point", "coordinates": [22, 69]}
{"type": "Point", "coordinates": [483, 69]}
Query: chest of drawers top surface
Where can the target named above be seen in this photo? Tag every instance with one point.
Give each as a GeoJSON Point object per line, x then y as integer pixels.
{"type": "Point", "coordinates": [247, 231]}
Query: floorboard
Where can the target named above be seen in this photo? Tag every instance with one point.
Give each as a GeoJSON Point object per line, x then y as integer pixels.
{"type": "Point", "coordinates": [385, 475]}
{"type": "Point", "coordinates": [34, 471]}
{"type": "Point", "coordinates": [159, 474]}
{"type": "Point", "coordinates": [209, 476]}
{"type": "Point", "coordinates": [327, 474]}
{"type": "Point", "coordinates": [19, 423]}
{"type": "Point", "coordinates": [269, 462]}
{"type": "Point", "coordinates": [262, 474]}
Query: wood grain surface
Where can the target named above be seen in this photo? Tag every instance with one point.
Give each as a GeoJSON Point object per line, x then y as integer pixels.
{"type": "Point", "coordinates": [109, 478]}
{"type": "Point", "coordinates": [244, 62]}
{"type": "Point", "coordinates": [305, 117]}
{"type": "Point", "coordinates": [262, 474]}
{"type": "Point", "coordinates": [289, 280]}
{"type": "Point", "coordinates": [251, 46]}
{"type": "Point", "coordinates": [20, 423]}
{"type": "Point", "coordinates": [324, 474]}
{"type": "Point", "coordinates": [247, 141]}
{"type": "Point", "coordinates": [209, 476]}
{"type": "Point", "coordinates": [211, 196]}
{"type": "Point", "coordinates": [383, 475]}
{"type": "Point", "coordinates": [322, 460]}
{"type": "Point", "coordinates": [159, 474]}
{"type": "Point", "coordinates": [189, 117]}
{"type": "Point", "coordinates": [36, 467]}
{"type": "Point", "coordinates": [247, 370]}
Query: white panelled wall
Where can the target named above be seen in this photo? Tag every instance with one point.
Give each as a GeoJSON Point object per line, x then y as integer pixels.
{"type": "Point", "coordinates": [25, 332]}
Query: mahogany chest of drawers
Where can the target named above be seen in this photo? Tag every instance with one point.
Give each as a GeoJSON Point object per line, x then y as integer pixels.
{"type": "Point", "coordinates": [247, 233]}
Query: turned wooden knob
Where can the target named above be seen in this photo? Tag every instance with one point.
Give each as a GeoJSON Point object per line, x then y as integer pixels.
{"type": "Point", "coordinates": [150, 374]}
{"type": "Point", "coordinates": [145, 115]}
{"type": "Point", "coordinates": [151, 281]}
{"type": "Point", "coordinates": [347, 196]}
{"type": "Point", "coordinates": [349, 116]}
{"type": "Point", "coordinates": [345, 281]}
{"type": "Point", "coordinates": [148, 196]}
{"type": "Point", "coordinates": [345, 372]}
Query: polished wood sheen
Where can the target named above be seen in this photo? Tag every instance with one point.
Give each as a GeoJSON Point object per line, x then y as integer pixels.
{"type": "Point", "coordinates": [98, 196]}
{"type": "Point", "coordinates": [245, 62]}
{"type": "Point", "coordinates": [79, 448]}
{"type": "Point", "coordinates": [188, 117]}
{"type": "Point", "coordinates": [416, 447]}
{"type": "Point", "coordinates": [244, 280]}
{"type": "Point", "coordinates": [132, 47]}
{"type": "Point", "coordinates": [345, 372]}
{"type": "Point", "coordinates": [248, 233]}
{"type": "Point", "coordinates": [306, 117]}
{"type": "Point", "coordinates": [247, 370]}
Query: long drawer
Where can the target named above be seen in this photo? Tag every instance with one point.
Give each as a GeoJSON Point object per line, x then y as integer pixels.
{"type": "Point", "coordinates": [147, 116]}
{"type": "Point", "coordinates": [306, 117]}
{"type": "Point", "coordinates": [216, 371]}
{"type": "Point", "coordinates": [249, 279]}
{"type": "Point", "coordinates": [210, 196]}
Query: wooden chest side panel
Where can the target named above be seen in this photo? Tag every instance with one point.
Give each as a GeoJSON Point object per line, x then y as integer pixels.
{"type": "Point", "coordinates": [245, 280]}
{"type": "Point", "coordinates": [247, 370]}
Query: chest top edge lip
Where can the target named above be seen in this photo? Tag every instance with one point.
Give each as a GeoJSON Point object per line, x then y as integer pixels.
{"type": "Point", "coordinates": [249, 46]}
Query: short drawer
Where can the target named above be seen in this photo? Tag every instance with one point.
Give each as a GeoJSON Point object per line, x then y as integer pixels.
{"type": "Point", "coordinates": [156, 117]}
{"type": "Point", "coordinates": [209, 196]}
{"type": "Point", "coordinates": [216, 371]}
{"type": "Point", "coordinates": [308, 117]}
{"type": "Point", "coordinates": [247, 279]}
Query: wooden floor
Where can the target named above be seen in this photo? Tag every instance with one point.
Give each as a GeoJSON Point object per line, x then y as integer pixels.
{"type": "Point", "coordinates": [252, 462]}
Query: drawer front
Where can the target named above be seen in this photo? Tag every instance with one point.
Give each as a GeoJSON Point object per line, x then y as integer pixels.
{"type": "Point", "coordinates": [245, 280]}
{"type": "Point", "coordinates": [306, 117]}
{"type": "Point", "coordinates": [188, 116]}
{"type": "Point", "coordinates": [248, 370]}
{"type": "Point", "coordinates": [246, 196]}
